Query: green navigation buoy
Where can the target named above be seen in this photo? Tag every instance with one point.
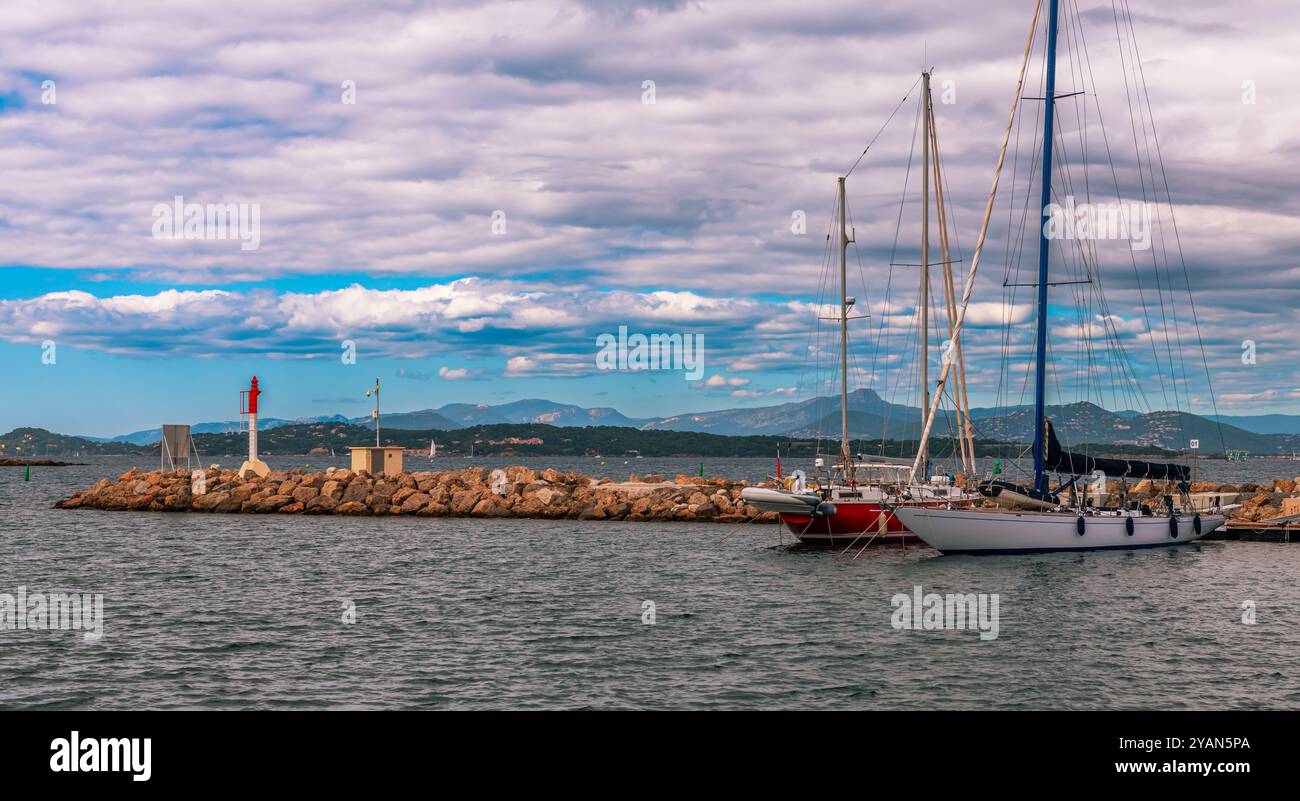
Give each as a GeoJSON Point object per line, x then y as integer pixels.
{"type": "Point", "coordinates": [28, 475]}
{"type": "Point", "coordinates": [701, 469]}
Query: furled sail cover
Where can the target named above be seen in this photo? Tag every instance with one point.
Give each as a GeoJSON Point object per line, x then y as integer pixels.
{"type": "Point", "coordinates": [1080, 465]}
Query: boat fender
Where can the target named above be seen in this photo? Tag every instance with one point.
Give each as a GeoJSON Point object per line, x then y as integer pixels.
{"type": "Point", "coordinates": [1128, 525]}
{"type": "Point", "coordinates": [1080, 525]}
{"type": "Point", "coordinates": [1196, 524]}
{"type": "Point", "coordinates": [1173, 527]}
{"type": "Point", "coordinates": [825, 509]}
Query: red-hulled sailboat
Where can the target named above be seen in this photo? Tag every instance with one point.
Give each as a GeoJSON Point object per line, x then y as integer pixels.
{"type": "Point", "coordinates": [853, 503]}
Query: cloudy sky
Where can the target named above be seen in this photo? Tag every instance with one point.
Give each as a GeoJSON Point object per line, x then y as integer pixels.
{"type": "Point", "coordinates": [469, 194]}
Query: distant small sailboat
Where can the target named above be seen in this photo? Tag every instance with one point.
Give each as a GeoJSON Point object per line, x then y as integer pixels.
{"type": "Point", "coordinates": [433, 449]}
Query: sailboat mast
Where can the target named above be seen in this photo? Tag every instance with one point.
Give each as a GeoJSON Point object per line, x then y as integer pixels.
{"type": "Point", "coordinates": [925, 260]}
{"type": "Point", "coordinates": [1040, 359]}
{"type": "Point", "coordinates": [845, 457]}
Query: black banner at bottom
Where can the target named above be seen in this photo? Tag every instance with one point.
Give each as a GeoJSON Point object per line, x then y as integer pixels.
{"type": "Point", "coordinates": [335, 750]}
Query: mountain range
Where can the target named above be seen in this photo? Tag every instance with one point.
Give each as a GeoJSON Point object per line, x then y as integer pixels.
{"type": "Point", "coordinates": [449, 417]}
{"type": "Point", "coordinates": [870, 416]}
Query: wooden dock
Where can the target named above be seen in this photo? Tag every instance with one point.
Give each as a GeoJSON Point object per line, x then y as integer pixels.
{"type": "Point", "coordinates": [1277, 529]}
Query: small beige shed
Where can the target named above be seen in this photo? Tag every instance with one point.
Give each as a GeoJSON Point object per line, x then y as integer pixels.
{"type": "Point", "coordinates": [378, 461]}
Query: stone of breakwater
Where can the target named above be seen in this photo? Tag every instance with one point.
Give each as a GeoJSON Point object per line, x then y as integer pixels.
{"type": "Point", "coordinates": [471, 492]}
{"type": "Point", "coordinates": [1249, 502]}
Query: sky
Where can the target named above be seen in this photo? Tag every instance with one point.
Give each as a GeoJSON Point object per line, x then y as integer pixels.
{"type": "Point", "coordinates": [461, 198]}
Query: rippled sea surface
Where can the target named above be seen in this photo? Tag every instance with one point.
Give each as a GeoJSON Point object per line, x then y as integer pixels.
{"type": "Point", "coordinates": [241, 611]}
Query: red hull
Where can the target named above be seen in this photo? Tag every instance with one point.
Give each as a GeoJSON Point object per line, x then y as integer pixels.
{"type": "Point", "coordinates": [852, 523]}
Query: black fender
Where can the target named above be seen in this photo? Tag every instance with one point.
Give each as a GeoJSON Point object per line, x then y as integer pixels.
{"type": "Point", "coordinates": [1196, 524]}
{"type": "Point", "coordinates": [1080, 525]}
{"type": "Point", "coordinates": [1173, 527]}
{"type": "Point", "coordinates": [1128, 525]}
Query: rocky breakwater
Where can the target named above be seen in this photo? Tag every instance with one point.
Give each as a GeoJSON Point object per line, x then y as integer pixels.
{"type": "Point", "coordinates": [1242, 502]}
{"type": "Point", "coordinates": [473, 492]}
{"type": "Point", "coordinates": [1263, 502]}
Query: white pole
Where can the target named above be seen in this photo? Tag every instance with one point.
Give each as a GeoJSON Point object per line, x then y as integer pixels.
{"type": "Point", "coordinates": [979, 245]}
{"type": "Point", "coordinates": [846, 458]}
{"type": "Point", "coordinates": [925, 262]}
{"type": "Point", "coordinates": [252, 436]}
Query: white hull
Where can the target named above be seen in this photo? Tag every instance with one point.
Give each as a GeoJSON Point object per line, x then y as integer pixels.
{"type": "Point", "coordinates": [980, 531]}
{"type": "Point", "coordinates": [773, 500]}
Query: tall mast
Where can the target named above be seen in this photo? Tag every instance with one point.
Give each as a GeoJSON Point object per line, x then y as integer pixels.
{"type": "Point", "coordinates": [984, 230]}
{"type": "Point", "coordinates": [925, 260]}
{"type": "Point", "coordinates": [1040, 363]}
{"type": "Point", "coordinates": [845, 457]}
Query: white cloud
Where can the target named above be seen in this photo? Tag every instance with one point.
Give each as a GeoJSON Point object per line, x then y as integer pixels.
{"type": "Point", "coordinates": [673, 216]}
{"type": "Point", "coordinates": [719, 381]}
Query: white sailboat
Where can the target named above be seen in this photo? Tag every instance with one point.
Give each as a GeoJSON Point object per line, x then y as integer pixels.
{"type": "Point", "coordinates": [1071, 523]}
{"type": "Point", "coordinates": [433, 449]}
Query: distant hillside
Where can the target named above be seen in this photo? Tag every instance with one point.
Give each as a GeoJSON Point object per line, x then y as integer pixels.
{"type": "Point", "coordinates": [870, 417]}
{"type": "Point", "coordinates": [796, 416]}
{"type": "Point", "coordinates": [535, 410]}
{"type": "Point", "coordinates": [503, 439]}
{"type": "Point", "coordinates": [37, 443]}
{"type": "Point", "coordinates": [866, 425]}
{"type": "Point", "coordinates": [471, 414]}
{"type": "Point", "coordinates": [149, 435]}
{"type": "Point", "coordinates": [1087, 422]}
{"type": "Point", "coordinates": [506, 439]}
{"type": "Point", "coordinates": [416, 421]}
{"type": "Point", "coordinates": [536, 439]}
{"type": "Point", "coordinates": [462, 415]}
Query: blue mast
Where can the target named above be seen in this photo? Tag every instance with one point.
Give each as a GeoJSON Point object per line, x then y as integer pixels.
{"type": "Point", "coordinates": [1040, 365]}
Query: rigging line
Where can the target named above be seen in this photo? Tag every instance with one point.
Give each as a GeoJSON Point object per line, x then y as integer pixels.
{"type": "Point", "coordinates": [1137, 154]}
{"type": "Point", "coordinates": [1161, 252]}
{"type": "Point", "coordinates": [1119, 355]}
{"type": "Point", "coordinates": [1178, 241]}
{"type": "Point", "coordinates": [862, 275]}
{"type": "Point", "coordinates": [945, 209]}
{"type": "Point", "coordinates": [1092, 379]}
{"type": "Point", "coordinates": [1014, 243]}
{"type": "Point", "coordinates": [1075, 268]}
{"type": "Point", "coordinates": [1020, 238]}
{"type": "Point", "coordinates": [882, 127]}
{"type": "Point", "coordinates": [1009, 292]}
{"type": "Point", "coordinates": [814, 333]}
{"type": "Point", "coordinates": [1086, 269]}
{"type": "Point", "coordinates": [854, 365]}
{"type": "Point", "coordinates": [1025, 218]}
{"type": "Point", "coordinates": [814, 330]}
{"type": "Point", "coordinates": [1105, 137]}
{"type": "Point", "coordinates": [884, 331]}
{"type": "Point", "coordinates": [983, 233]}
{"type": "Point", "coordinates": [1140, 81]}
